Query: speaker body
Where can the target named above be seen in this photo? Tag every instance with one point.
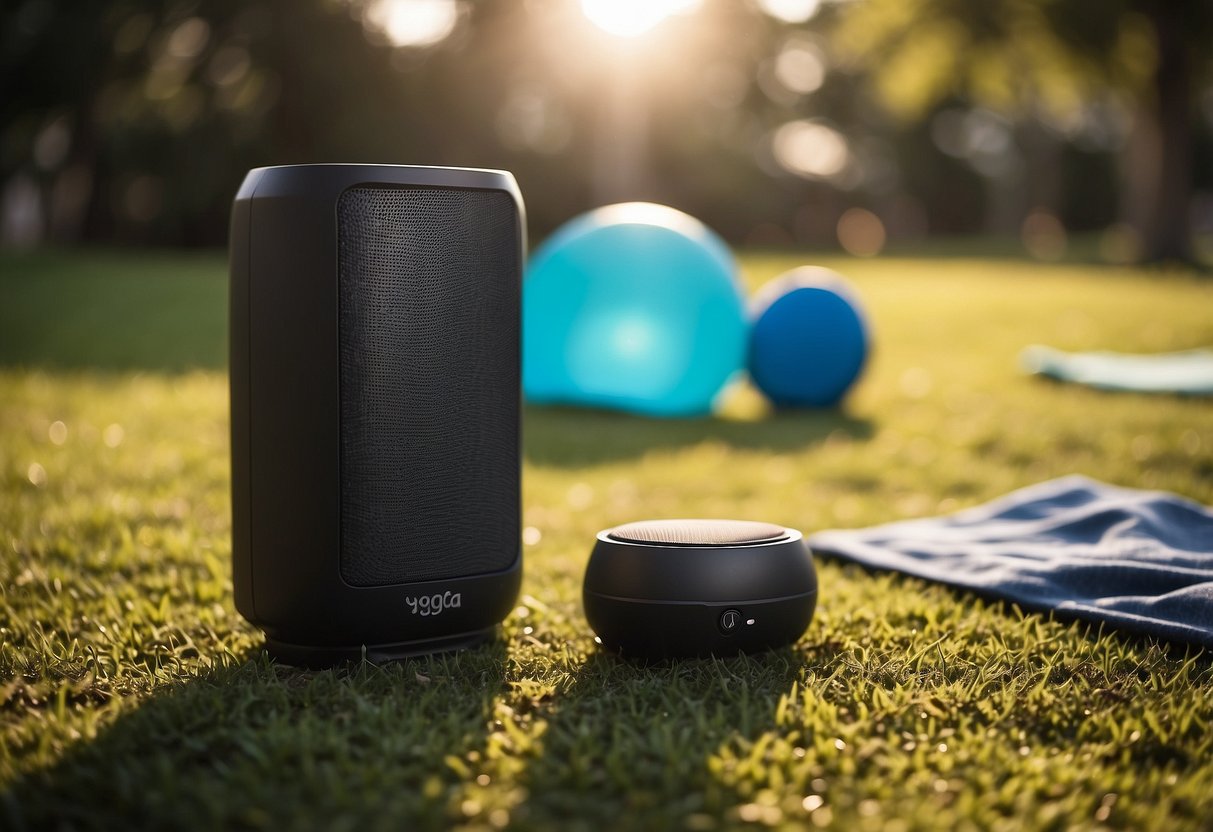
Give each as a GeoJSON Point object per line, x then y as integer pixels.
{"type": "Point", "coordinates": [662, 589]}
{"type": "Point", "coordinates": [375, 402]}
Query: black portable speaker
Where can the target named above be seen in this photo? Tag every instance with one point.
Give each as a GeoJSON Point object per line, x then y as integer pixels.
{"type": "Point", "coordinates": [662, 589]}
{"type": "Point", "coordinates": [375, 400]}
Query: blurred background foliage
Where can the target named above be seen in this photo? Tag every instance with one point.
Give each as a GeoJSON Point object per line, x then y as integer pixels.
{"type": "Point", "coordinates": [778, 122]}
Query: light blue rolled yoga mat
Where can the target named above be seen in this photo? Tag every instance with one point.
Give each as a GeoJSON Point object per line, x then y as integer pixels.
{"type": "Point", "coordinates": [1187, 373]}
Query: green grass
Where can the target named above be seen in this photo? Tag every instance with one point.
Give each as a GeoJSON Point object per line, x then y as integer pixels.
{"type": "Point", "coordinates": [113, 310]}
{"type": "Point", "coordinates": [133, 695]}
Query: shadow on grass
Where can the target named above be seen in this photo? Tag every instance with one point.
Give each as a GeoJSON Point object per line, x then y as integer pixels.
{"type": "Point", "coordinates": [259, 745]}
{"type": "Point", "coordinates": [570, 437]}
{"type": "Point", "coordinates": [616, 744]}
{"type": "Point", "coordinates": [631, 745]}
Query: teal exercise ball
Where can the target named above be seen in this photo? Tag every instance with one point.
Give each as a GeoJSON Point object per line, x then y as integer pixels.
{"type": "Point", "coordinates": [809, 339]}
{"type": "Point", "coordinates": [633, 307]}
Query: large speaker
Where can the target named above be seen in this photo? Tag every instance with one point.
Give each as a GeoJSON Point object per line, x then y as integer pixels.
{"type": "Point", "coordinates": [375, 398]}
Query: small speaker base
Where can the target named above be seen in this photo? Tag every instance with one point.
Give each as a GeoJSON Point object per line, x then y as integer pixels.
{"type": "Point", "coordinates": [318, 658]}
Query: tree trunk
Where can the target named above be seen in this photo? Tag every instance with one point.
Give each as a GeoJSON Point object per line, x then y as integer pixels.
{"type": "Point", "coordinates": [1166, 233]}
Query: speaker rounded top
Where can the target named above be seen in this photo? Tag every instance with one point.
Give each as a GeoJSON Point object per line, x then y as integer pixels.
{"type": "Point", "coordinates": [699, 561]}
{"type": "Point", "coordinates": [325, 182]}
{"type": "Point", "coordinates": [698, 532]}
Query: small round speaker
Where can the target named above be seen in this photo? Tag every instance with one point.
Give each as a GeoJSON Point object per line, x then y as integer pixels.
{"type": "Point", "coordinates": [677, 588]}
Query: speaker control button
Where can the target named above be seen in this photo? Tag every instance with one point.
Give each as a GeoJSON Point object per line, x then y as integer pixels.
{"type": "Point", "coordinates": [730, 620]}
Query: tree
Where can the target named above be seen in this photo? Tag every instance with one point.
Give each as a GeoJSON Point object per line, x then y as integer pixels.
{"type": "Point", "coordinates": [1034, 59]}
{"type": "Point", "coordinates": [137, 119]}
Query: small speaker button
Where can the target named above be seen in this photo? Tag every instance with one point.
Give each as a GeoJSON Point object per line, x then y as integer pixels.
{"type": "Point", "coordinates": [730, 620]}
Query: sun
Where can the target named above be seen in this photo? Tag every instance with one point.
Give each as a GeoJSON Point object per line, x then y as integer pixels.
{"type": "Point", "coordinates": [632, 18]}
{"type": "Point", "coordinates": [413, 23]}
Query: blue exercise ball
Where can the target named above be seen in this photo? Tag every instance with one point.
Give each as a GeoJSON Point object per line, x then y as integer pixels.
{"type": "Point", "coordinates": [809, 340]}
{"type": "Point", "coordinates": [635, 307]}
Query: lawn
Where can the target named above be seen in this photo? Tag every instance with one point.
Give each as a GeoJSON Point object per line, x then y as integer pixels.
{"type": "Point", "coordinates": [132, 695]}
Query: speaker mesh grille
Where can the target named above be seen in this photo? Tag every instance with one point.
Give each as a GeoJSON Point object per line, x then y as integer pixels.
{"type": "Point", "coordinates": [698, 532]}
{"type": "Point", "coordinates": [429, 294]}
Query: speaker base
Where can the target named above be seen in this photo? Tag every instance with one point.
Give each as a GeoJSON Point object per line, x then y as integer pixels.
{"type": "Point", "coordinates": [318, 658]}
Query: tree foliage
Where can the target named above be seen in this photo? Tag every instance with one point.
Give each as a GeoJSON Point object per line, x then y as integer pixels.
{"type": "Point", "coordinates": [135, 120]}
{"type": "Point", "coordinates": [1054, 60]}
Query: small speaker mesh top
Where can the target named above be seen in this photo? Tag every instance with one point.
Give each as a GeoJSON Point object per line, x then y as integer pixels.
{"type": "Point", "coordinates": [698, 532]}
{"type": "Point", "coordinates": [429, 306]}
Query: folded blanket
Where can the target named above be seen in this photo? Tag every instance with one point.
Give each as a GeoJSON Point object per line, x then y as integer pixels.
{"type": "Point", "coordinates": [1186, 373]}
{"type": "Point", "coordinates": [1140, 561]}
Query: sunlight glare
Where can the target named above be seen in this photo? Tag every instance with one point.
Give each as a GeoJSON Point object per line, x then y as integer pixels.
{"type": "Point", "coordinates": [790, 11]}
{"type": "Point", "coordinates": [631, 18]}
{"type": "Point", "coordinates": [800, 67]}
{"type": "Point", "coordinates": [413, 22]}
{"type": "Point", "coordinates": [634, 337]}
{"type": "Point", "coordinates": [648, 213]}
{"type": "Point", "coordinates": [861, 233]}
{"type": "Point", "coordinates": [811, 149]}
